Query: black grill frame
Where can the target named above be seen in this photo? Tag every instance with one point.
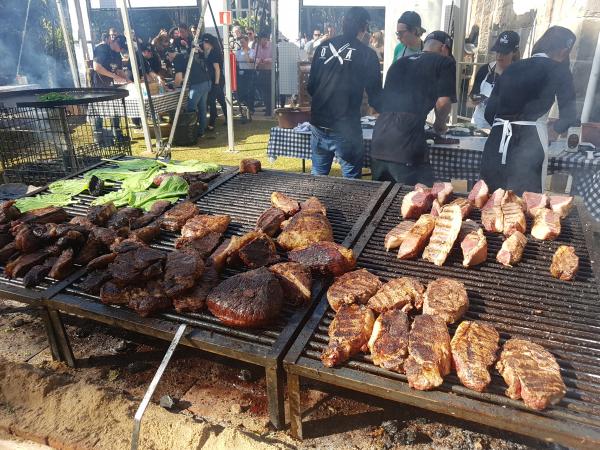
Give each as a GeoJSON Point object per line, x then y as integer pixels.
{"type": "Point", "coordinates": [547, 326]}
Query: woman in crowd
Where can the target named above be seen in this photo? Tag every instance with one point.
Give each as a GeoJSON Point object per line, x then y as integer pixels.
{"type": "Point", "coordinates": [214, 61]}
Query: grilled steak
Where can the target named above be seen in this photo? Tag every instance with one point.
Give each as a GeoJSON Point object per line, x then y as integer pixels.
{"type": "Point", "coordinates": [480, 194]}
{"type": "Point", "coordinates": [8, 211]}
{"type": "Point", "coordinates": [474, 349]}
{"type": "Point", "coordinates": [396, 235]}
{"type": "Point", "coordinates": [111, 294]}
{"type": "Point", "coordinates": [249, 299]}
{"type": "Point", "coordinates": [405, 293]}
{"type": "Point", "coordinates": [511, 251]}
{"type": "Point", "coordinates": [182, 270]}
{"type": "Point", "coordinates": [436, 208]}
{"type": "Point", "coordinates": [205, 245]}
{"type": "Point", "coordinates": [531, 373]}
{"type": "Point", "coordinates": [430, 358]}
{"type": "Point", "coordinates": [446, 298]}
{"type": "Point", "coordinates": [546, 225]}
{"type": "Point", "coordinates": [270, 221]}
{"type": "Point", "coordinates": [49, 214]}
{"type": "Point", "coordinates": [21, 265]}
{"type": "Point", "coordinates": [156, 210]}
{"type": "Point", "coordinates": [82, 221]}
{"type": "Point", "coordinates": [147, 233]}
{"type": "Point", "coordinates": [228, 253]}
{"type": "Point", "coordinates": [249, 165]}
{"type": "Point", "coordinates": [561, 204]}
{"type": "Point", "coordinates": [305, 229]}
{"type": "Point", "coordinates": [103, 236]}
{"type": "Point", "coordinates": [474, 248]}
{"type": "Point", "coordinates": [513, 219]}
{"type": "Point", "coordinates": [565, 263]}
{"type": "Point", "coordinates": [353, 287]}
{"type": "Point", "coordinates": [7, 252]}
{"type": "Point", "coordinates": [313, 205]}
{"type": "Point", "coordinates": [495, 199]}
{"type": "Point", "coordinates": [534, 202]}
{"type": "Point", "coordinates": [349, 333]}
{"type": "Point", "coordinates": [63, 265]}
{"type": "Point", "coordinates": [416, 239]}
{"type": "Point", "coordinates": [465, 206]}
{"type": "Point", "coordinates": [195, 300]}
{"type": "Point", "coordinates": [199, 226]}
{"type": "Point", "coordinates": [416, 203]}
{"type": "Point", "coordinates": [149, 299]}
{"type": "Point", "coordinates": [296, 281]}
{"type": "Point", "coordinates": [259, 252]}
{"type": "Point", "coordinates": [94, 281]}
{"type": "Point", "coordinates": [288, 205]}
{"type": "Point", "coordinates": [37, 273]}
{"type": "Point", "coordinates": [100, 215]}
{"type": "Point", "coordinates": [176, 217]}
{"type": "Point", "coordinates": [325, 257]}
{"type": "Point", "coordinates": [124, 217]}
{"type": "Point", "coordinates": [492, 219]}
{"type": "Point", "coordinates": [510, 197]}
{"type": "Point", "coordinates": [446, 230]}
{"type": "Point", "coordinates": [389, 340]}
{"type": "Point", "coordinates": [131, 267]}
{"type": "Point", "coordinates": [442, 192]}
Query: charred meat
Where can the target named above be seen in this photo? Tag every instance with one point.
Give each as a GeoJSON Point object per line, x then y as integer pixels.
{"type": "Point", "coordinates": [156, 210]}
{"type": "Point", "coordinates": [511, 251]}
{"type": "Point", "coordinates": [101, 262]}
{"type": "Point", "coordinates": [63, 266]}
{"type": "Point", "coordinates": [204, 246]}
{"type": "Point", "coordinates": [389, 341]}
{"type": "Point", "coordinates": [446, 298]}
{"type": "Point", "coordinates": [149, 299]}
{"type": "Point", "coordinates": [405, 293]}
{"type": "Point", "coordinates": [195, 300]}
{"type": "Point", "coordinates": [8, 211]}
{"type": "Point", "coordinates": [7, 252]}
{"type": "Point", "coordinates": [124, 217]}
{"type": "Point", "coordinates": [565, 263]}
{"type": "Point", "coordinates": [50, 214]}
{"type": "Point", "coordinates": [270, 221]}
{"type": "Point", "coordinates": [228, 253]}
{"type": "Point", "coordinates": [305, 229]}
{"type": "Point", "coordinates": [100, 215]}
{"type": "Point", "coordinates": [130, 267]}
{"type": "Point", "coordinates": [37, 273]}
{"type": "Point", "coordinates": [353, 287]}
{"type": "Point", "coordinates": [446, 230]}
{"type": "Point", "coordinates": [313, 205]}
{"type": "Point", "coordinates": [288, 205]}
{"type": "Point", "coordinates": [111, 294]}
{"type": "Point", "coordinates": [182, 270]}
{"type": "Point", "coordinates": [325, 257]}
{"type": "Point", "coordinates": [148, 233]}
{"type": "Point", "coordinates": [94, 281]}
{"type": "Point", "coordinates": [259, 252]}
{"type": "Point", "coordinates": [21, 265]}
{"type": "Point", "coordinates": [175, 218]}
{"type": "Point", "coordinates": [199, 226]}
{"type": "Point", "coordinates": [296, 281]}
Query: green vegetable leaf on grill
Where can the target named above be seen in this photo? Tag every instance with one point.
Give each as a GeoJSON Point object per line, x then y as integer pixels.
{"type": "Point", "coordinates": [140, 181]}
{"type": "Point", "coordinates": [135, 164]}
{"type": "Point", "coordinates": [69, 187]}
{"type": "Point", "coordinates": [170, 189]}
{"type": "Point", "coordinates": [191, 165]}
{"type": "Point", "coordinates": [42, 201]}
{"type": "Point", "coordinates": [119, 198]}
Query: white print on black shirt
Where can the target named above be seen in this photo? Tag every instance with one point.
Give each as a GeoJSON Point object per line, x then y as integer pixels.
{"type": "Point", "coordinates": [337, 53]}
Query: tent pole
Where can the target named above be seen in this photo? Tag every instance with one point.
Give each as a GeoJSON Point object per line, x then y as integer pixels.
{"type": "Point", "coordinates": [81, 34]}
{"type": "Point", "coordinates": [274, 51]}
{"type": "Point", "coordinates": [227, 75]}
{"type": "Point", "coordinates": [68, 44]}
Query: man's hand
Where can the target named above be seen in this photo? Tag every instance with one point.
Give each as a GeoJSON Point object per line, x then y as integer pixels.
{"type": "Point", "coordinates": [440, 127]}
{"type": "Point", "coordinates": [120, 80]}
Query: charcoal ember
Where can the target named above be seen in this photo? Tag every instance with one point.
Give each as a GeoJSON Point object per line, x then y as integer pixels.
{"type": "Point", "coordinates": [101, 262]}
{"type": "Point", "coordinates": [156, 210]}
{"type": "Point", "coordinates": [38, 273]}
{"type": "Point", "coordinates": [270, 221]}
{"type": "Point", "coordinates": [100, 215]}
{"type": "Point", "coordinates": [94, 281]}
{"type": "Point", "coordinates": [149, 299]}
{"type": "Point", "coordinates": [147, 233]}
{"type": "Point", "coordinates": [195, 300]}
{"type": "Point", "coordinates": [182, 270]}
{"type": "Point", "coordinates": [259, 252]}
{"type": "Point", "coordinates": [111, 294]}
{"type": "Point", "coordinates": [7, 252]}
{"type": "Point", "coordinates": [204, 246]}
{"type": "Point", "coordinates": [8, 211]}
{"type": "Point", "coordinates": [124, 217]}
{"type": "Point", "coordinates": [176, 217]}
{"type": "Point", "coordinates": [63, 266]}
{"type": "Point", "coordinates": [90, 250]}
{"type": "Point", "coordinates": [249, 165]}
{"type": "Point", "coordinates": [21, 265]}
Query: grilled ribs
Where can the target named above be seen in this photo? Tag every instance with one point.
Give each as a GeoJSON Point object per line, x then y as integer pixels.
{"type": "Point", "coordinates": [270, 221]}
{"type": "Point", "coordinates": [325, 257]}
{"type": "Point", "coordinates": [296, 281]}
{"type": "Point", "coordinates": [512, 249]}
{"type": "Point", "coordinates": [349, 333]}
{"type": "Point", "coordinates": [389, 340]}
{"type": "Point", "coordinates": [446, 230]}
{"type": "Point", "coordinates": [546, 225]}
{"type": "Point", "coordinates": [565, 263]}
{"type": "Point", "coordinates": [531, 373]}
{"type": "Point", "coordinates": [176, 217]}
{"type": "Point", "coordinates": [288, 205]}
{"type": "Point", "coordinates": [353, 287]}
{"type": "Point", "coordinates": [480, 194]}
{"type": "Point", "coordinates": [415, 240]}
{"type": "Point", "coordinates": [396, 235]}
{"type": "Point", "coordinates": [474, 351]}
{"type": "Point", "coordinates": [305, 229]}
{"type": "Point", "coordinates": [405, 293]}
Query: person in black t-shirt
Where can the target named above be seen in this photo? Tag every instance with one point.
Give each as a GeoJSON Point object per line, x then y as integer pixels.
{"type": "Point", "coordinates": [342, 69]}
{"type": "Point", "coordinates": [214, 62]}
{"type": "Point", "coordinates": [414, 85]}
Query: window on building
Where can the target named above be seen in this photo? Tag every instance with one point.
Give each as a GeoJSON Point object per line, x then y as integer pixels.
{"type": "Point", "coordinates": [240, 8]}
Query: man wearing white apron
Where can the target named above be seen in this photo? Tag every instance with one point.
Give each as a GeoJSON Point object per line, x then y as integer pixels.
{"type": "Point", "coordinates": [516, 152]}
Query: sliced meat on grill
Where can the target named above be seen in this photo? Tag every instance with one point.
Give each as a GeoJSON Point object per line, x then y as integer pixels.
{"type": "Point", "coordinates": [63, 265]}
{"type": "Point", "coordinates": [8, 211]}
{"type": "Point", "coordinates": [72, 239]}
{"type": "Point", "coordinates": [565, 263]}
{"type": "Point", "coordinates": [442, 192]}
{"type": "Point", "coordinates": [228, 253]}
{"type": "Point", "coordinates": [176, 217]}
{"type": "Point", "coordinates": [357, 286]}
{"type": "Point", "coordinates": [546, 225]}
{"type": "Point", "coordinates": [480, 194]}
{"type": "Point", "coordinates": [420, 187]}
{"type": "Point", "coordinates": [199, 226]}
{"type": "Point", "coordinates": [182, 270]}
{"type": "Point", "coordinates": [513, 219]}
{"type": "Point", "coordinates": [349, 333]}
{"type": "Point", "coordinates": [418, 236]}
{"type": "Point", "coordinates": [101, 262]}
{"type": "Point", "coordinates": [296, 281]}
{"type": "Point", "coordinates": [465, 206]}
{"type": "Point", "coordinates": [49, 214]}
{"type": "Point", "coordinates": [510, 197]}
{"type": "Point", "coordinates": [124, 217]}
{"type": "Point", "coordinates": [405, 293]}
{"type": "Point", "coordinates": [270, 221]}
{"type": "Point", "coordinates": [416, 203]}
{"type": "Point", "coordinates": [7, 252]}
{"type": "Point", "coordinates": [218, 257]}
{"type": "Point", "coordinates": [126, 245]}
{"type": "Point", "coordinates": [259, 252]}
{"type": "Point", "coordinates": [100, 215]}
{"type": "Point", "coordinates": [313, 205]}
{"type": "Point", "coordinates": [446, 298]}
{"type": "Point", "coordinates": [305, 229]}
{"type": "Point", "coordinates": [561, 204]}
{"type": "Point", "coordinates": [131, 267]}
{"type": "Point", "coordinates": [249, 299]}
{"type": "Point", "coordinates": [195, 300]}
{"type": "Point", "coordinates": [156, 210]}
{"type": "Point", "coordinates": [104, 236]}
{"type": "Point", "coordinates": [436, 208]}
{"type": "Point", "coordinates": [94, 281]}
{"type": "Point", "coordinates": [29, 238]}
{"type": "Point", "coordinates": [249, 165]}
{"type": "Point", "coordinates": [534, 202]}
{"type": "Point", "coordinates": [38, 273]}
{"type": "Point", "coordinates": [446, 230]}
{"type": "Point", "coordinates": [149, 299]}
{"type": "Point", "coordinates": [147, 233]}
{"type": "Point", "coordinates": [492, 219]}
{"type": "Point", "coordinates": [495, 199]}
{"type": "Point", "coordinates": [531, 373]}
{"type": "Point", "coordinates": [389, 340]}
{"type": "Point", "coordinates": [474, 248]}
{"type": "Point", "coordinates": [512, 248]}
{"type": "Point", "coordinates": [21, 265]}
{"type": "Point", "coordinates": [474, 351]}
{"type": "Point", "coordinates": [205, 245]}
{"type": "Point", "coordinates": [288, 205]}
{"type": "Point", "coordinates": [396, 235]}
{"type": "Point", "coordinates": [111, 294]}
{"type": "Point", "coordinates": [90, 250]}
{"type": "Point", "coordinates": [430, 358]}
{"type": "Point", "coordinates": [82, 221]}
{"type": "Point", "coordinates": [327, 258]}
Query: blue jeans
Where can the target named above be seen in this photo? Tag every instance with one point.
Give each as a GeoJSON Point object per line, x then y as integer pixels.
{"type": "Point", "coordinates": [349, 151]}
{"type": "Point", "coordinates": [197, 102]}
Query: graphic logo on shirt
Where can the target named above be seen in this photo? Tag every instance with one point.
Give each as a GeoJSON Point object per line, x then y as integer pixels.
{"type": "Point", "coordinates": [344, 53]}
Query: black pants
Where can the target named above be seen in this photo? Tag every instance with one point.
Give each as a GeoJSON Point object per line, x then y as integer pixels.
{"type": "Point", "coordinates": [402, 173]}
{"type": "Point", "coordinates": [246, 88]}
{"type": "Point", "coordinates": [216, 94]}
{"type": "Point", "coordinates": [264, 86]}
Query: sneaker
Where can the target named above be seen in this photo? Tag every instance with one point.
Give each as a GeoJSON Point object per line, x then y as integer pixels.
{"type": "Point", "coordinates": [210, 128]}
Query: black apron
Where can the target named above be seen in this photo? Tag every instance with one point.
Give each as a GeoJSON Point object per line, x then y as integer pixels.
{"type": "Point", "coordinates": [399, 137]}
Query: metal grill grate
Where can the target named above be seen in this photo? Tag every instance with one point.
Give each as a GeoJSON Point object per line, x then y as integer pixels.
{"type": "Point", "coordinates": [524, 301]}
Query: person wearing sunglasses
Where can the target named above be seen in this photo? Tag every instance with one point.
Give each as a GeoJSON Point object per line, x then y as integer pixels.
{"type": "Point", "coordinates": [408, 32]}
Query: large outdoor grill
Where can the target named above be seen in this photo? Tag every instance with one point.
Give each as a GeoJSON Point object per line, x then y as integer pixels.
{"type": "Point", "coordinates": [524, 301]}
{"type": "Point", "coordinates": [350, 204]}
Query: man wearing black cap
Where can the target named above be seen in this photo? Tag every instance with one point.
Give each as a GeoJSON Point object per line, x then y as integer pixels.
{"type": "Point", "coordinates": [414, 86]}
{"type": "Point", "coordinates": [408, 32]}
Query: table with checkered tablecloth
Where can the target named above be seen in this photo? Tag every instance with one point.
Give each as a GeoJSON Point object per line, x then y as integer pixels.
{"type": "Point", "coordinates": [163, 103]}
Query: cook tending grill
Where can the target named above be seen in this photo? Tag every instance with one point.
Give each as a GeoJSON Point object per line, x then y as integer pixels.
{"type": "Point", "coordinates": [350, 204]}
{"type": "Point", "coordinates": [523, 301]}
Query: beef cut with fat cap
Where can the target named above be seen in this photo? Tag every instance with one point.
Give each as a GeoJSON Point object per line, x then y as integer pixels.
{"type": "Point", "coordinates": [565, 263]}
{"type": "Point", "coordinates": [446, 230]}
{"type": "Point", "coordinates": [512, 249]}
{"type": "Point", "coordinates": [389, 340]}
{"type": "Point", "coordinates": [305, 229]}
{"type": "Point", "coordinates": [416, 203]}
{"type": "Point", "coordinates": [349, 333]}
{"type": "Point", "coordinates": [357, 286]}
{"type": "Point", "coordinates": [495, 199]}
{"type": "Point", "coordinates": [561, 204]}
{"type": "Point", "coordinates": [415, 240]}
{"type": "Point", "coordinates": [546, 225]}
{"type": "Point", "coordinates": [288, 205]}
{"type": "Point", "coordinates": [396, 235]}
{"type": "Point", "coordinates": [296, 281]}
{"type": "Point", "coordinates": [325, 257]}
{"type": "Point", "coordinates": [446, 298]}
{"type": "Point", "coordinates": [513, 219]}
{"type": "Point", "coordinates": [430, 357]}
{"type": "Point", "coordinates": [531, 373]}
{"type": "Point", "coordinates": [442, 192]}
{"type": "Point", "coordinates": [405, 293]}
{"type": "Point", "coordinates": [480, 194]}
{"type": "Point", "coordinates": [474, 351]}
{"type": "Point", "coordinates": [534, 202]}
{"type": "Point", "coordinates": [313, 205]}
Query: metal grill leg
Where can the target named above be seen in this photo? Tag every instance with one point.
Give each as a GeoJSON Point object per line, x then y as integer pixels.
{"type": "Point", "coordinates": [293, 385]}
{"type": "Point", "coordinates": [51, 335]}
{"type": "Point", "coordinates": [274, 380]}
{"type": "Point", "coordinates": [62, 339]}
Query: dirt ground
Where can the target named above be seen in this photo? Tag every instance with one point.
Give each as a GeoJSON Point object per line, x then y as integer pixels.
{"type": "Point", "coordinates": [216, 405]}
